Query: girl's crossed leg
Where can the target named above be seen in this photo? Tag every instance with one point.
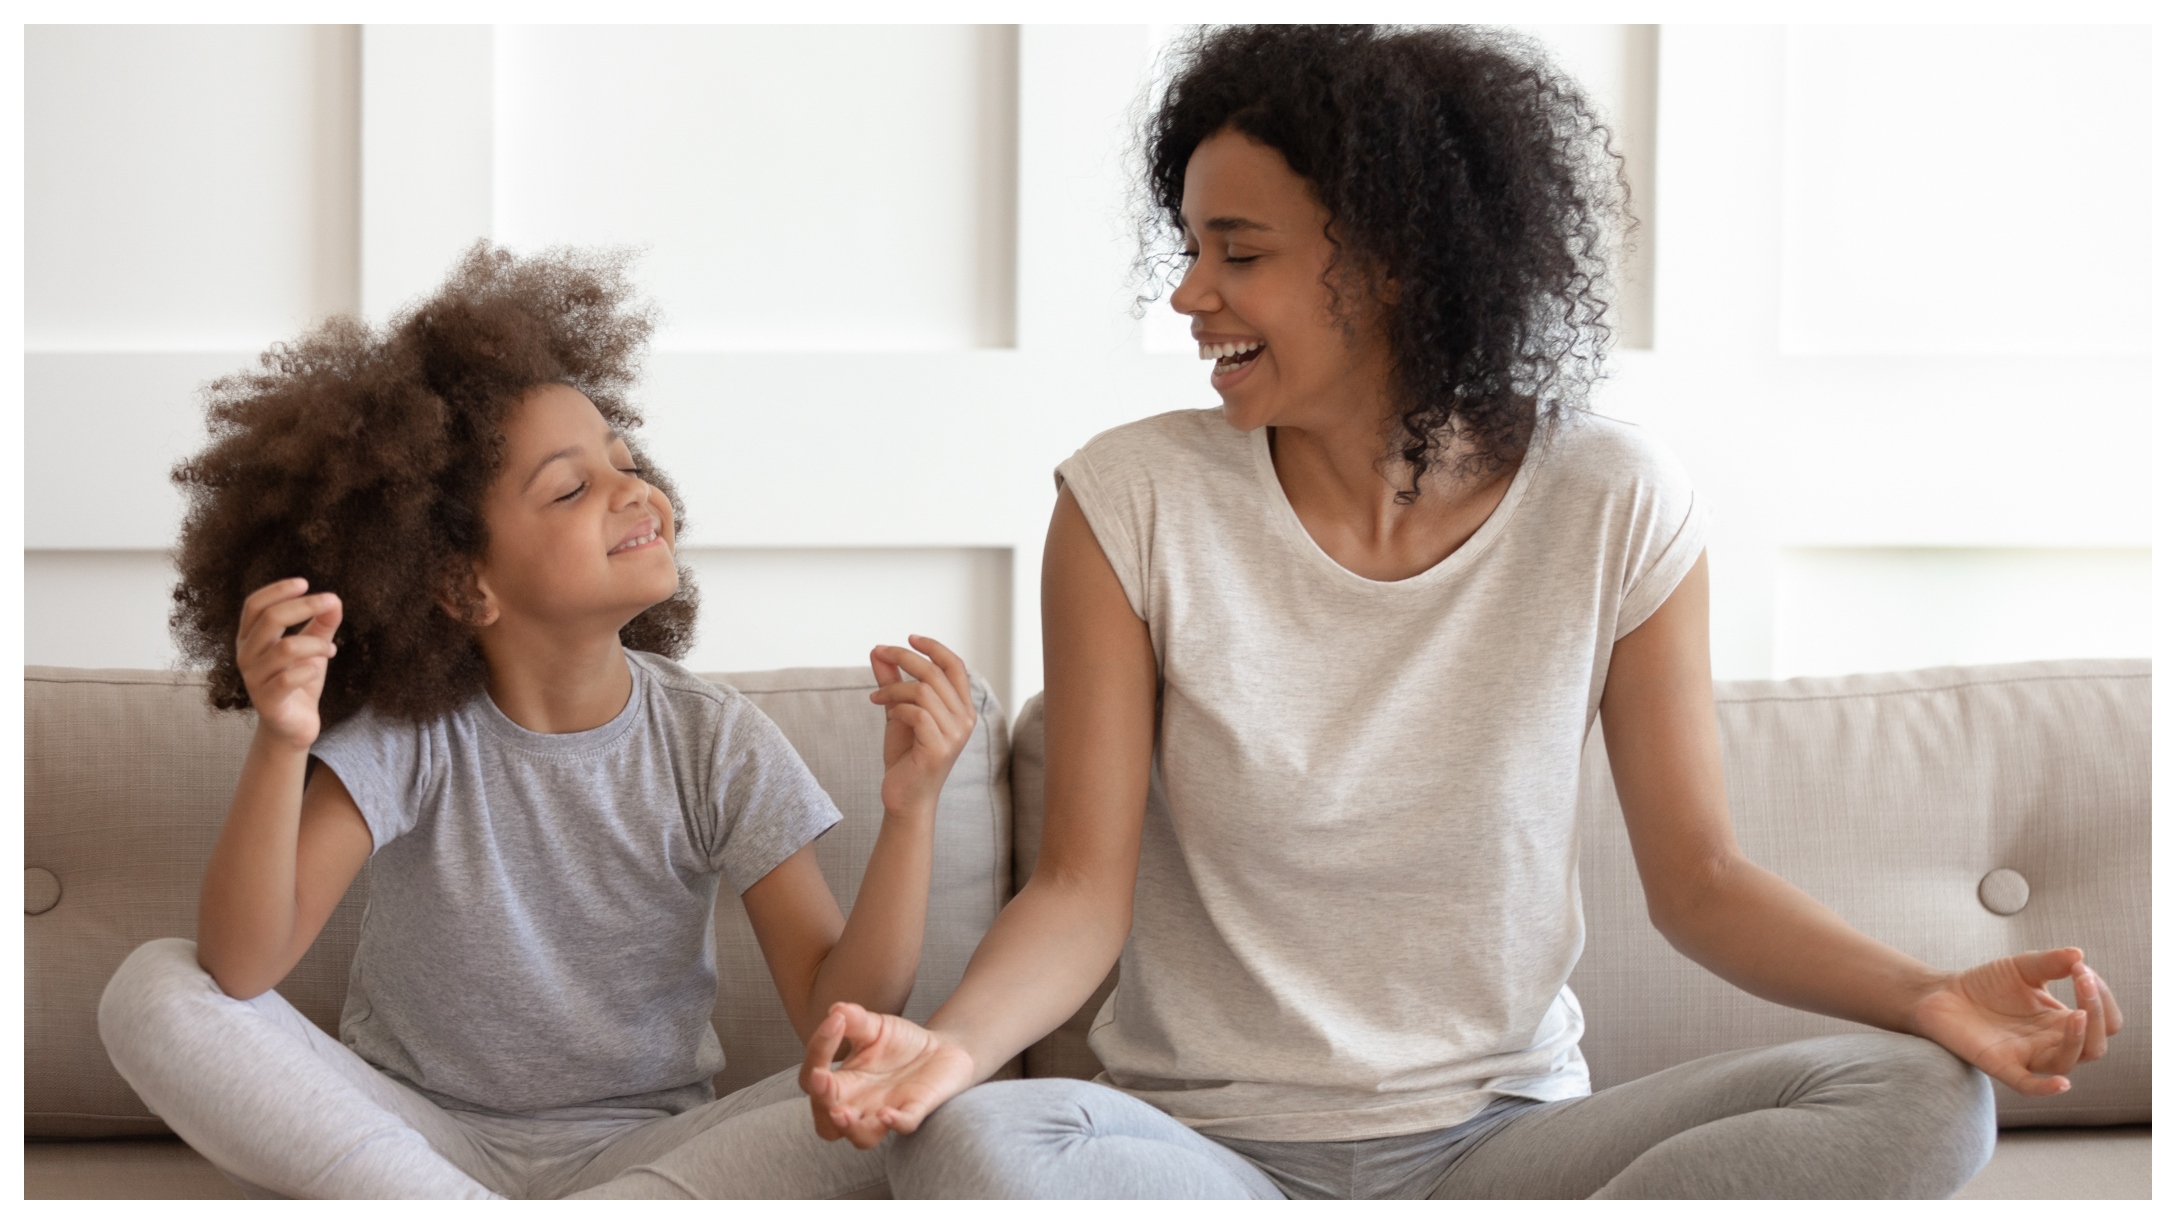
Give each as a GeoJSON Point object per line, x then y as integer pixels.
{"type": "Point", "coordinates": [286, 1110]}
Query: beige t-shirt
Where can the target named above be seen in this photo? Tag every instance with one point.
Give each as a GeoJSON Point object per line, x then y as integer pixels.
{"type": "Point", "coordinates": [1358, 899]}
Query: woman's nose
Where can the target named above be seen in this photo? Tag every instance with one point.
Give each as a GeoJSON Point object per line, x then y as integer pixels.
{"type": "Point", "coordinates": [1195, 294]}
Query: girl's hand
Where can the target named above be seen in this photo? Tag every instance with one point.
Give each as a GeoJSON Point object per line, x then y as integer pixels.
{"type": "Point", "coordinates": [899, 1071]}
{"type": "Point", "coordinates": [285, 673]}
{"type": "Point", "coordinates": [929, 711]}
{"type": "Point", "coordinates": [1999, 1018]}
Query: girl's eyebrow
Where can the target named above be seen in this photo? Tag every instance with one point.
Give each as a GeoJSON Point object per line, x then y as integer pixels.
{"type": "Point", "coordinates": [564, 452]}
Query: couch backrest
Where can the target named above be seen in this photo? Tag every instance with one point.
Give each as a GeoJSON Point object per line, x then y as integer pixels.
{"type": "Point", "coordinates": [127, 775]}
{"type": "Point", "coordinates": [1890, 798]}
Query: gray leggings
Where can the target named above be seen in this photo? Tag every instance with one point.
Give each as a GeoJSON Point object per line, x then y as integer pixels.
{"type": "Point", "coordinates": [1873, 1115]}
{"type": "Point", "coordinates": [286, 1111]}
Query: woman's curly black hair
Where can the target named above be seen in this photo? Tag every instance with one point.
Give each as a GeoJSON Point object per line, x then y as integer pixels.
{"type": "Point", "coordinates": [358, 459]}
{"type": "Point", "coordinates": [1456, 163]}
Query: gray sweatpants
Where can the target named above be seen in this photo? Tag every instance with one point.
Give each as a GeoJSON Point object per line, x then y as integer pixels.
{"type": "Point", "coordinates": [1873, 1115]}
{"type": "Point", "coordinates": [286, 1110]}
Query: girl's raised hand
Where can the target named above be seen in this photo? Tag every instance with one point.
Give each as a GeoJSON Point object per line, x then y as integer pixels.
{"type": "Point", "coordinates": [929, 711]}
{"type": "Point", "coordinates": [285, 673]}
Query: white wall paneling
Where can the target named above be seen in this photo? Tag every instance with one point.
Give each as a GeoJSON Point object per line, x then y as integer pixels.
{"type": "Point", "coordinates": [187, 187]}
{"type": "Point", "coordinates": [1876, 609]}
{"type": "Point", "coordinates": [1975, 189]}
{"type": "Point", "coordinates": [97, 608]}
{"type": "Point", "coordinates": [816, 189]}
{"type": "Point", "coordinates": [825, 607]}
{"type": "Point", "coordinates": [426, 138]}
{"type": "Point", "coordinates": [1893, 340]}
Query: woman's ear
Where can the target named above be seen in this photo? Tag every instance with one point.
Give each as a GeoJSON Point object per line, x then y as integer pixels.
{"type": "Point", "coordinates": [466, 597]}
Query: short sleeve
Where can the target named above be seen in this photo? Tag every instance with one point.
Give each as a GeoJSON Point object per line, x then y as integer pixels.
{"type": "Point", "coordinates": [1117, 513]}
{"type": "Point", "coordinates": [388, 767]}
{"type": "Point", "coordinates": [768, 804]}
{"type": "Point", "coordinates": [1668, 529]}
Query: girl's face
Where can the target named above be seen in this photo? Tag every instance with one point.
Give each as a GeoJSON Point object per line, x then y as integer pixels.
{"type": "Point", "coordinates": [1258, 296]}
{"type": "Point", "coordinates": [577, 539]}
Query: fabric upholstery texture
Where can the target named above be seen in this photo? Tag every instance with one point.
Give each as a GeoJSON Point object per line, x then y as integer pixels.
{"type": "Point", "coordinates": [1888, 797]}
{"type": "Point", "coordinates": [127, 835]}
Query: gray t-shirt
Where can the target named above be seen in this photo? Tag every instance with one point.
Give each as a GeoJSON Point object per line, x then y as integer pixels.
{"type": "Point", "coordinates": [538, 933]}
{"type": "Point", "coordinates": [1358, 899]}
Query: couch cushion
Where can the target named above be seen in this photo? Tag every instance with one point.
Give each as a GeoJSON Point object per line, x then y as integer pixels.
{"type": "Point", "coordinates": [1888, 797]}
{"type": "Point", "coordinates": [126, 832]}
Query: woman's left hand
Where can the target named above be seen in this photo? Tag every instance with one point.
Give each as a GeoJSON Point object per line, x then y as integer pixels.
{"type": "Point", "coordinates": [2000, 1018]}
{"type": "Point", "coordinates": [929, 712]}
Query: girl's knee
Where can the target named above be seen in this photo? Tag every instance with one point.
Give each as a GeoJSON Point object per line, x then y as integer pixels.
{"type": "Point", "coordinates": [152, 979]}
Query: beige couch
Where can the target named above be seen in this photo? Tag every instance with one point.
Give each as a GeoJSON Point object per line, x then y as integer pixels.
{"type": "Point", "coordinates": [1892, 798]}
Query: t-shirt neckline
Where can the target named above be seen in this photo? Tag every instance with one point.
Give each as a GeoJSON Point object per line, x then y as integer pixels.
{"type": "Point", "coordinates": [558, 744]}
{"type": "Point", "coordinates": [1461, 559]}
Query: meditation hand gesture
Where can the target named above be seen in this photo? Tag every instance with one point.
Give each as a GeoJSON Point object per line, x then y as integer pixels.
{"type": "Point", "coordinates": [929, 711]}
{"type": "Point", "coordinates": [898, 1072]}
{"type": "Point", "coordinates": [285, 672]}
{"type": "Point", "coordinates": [2000, 1018]}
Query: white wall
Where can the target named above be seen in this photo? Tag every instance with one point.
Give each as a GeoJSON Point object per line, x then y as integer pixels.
{"type": "Point", "coordinates": [1889, 312]}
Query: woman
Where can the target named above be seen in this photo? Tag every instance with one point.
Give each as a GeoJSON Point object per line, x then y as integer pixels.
{"type": "Point", "coordinates": [1319, 670]}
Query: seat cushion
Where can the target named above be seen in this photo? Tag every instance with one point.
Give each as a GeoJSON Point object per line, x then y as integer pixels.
{"type": "Point", "coordinates": [2081, 1163]}
{"type": "Point", "coordinates": [127, 775]}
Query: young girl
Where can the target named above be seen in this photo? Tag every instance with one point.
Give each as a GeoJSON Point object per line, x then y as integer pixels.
{"type": "Point", "coordinates": [1320, 666]}
{"type": "Point", "coordinates": [436, 564]}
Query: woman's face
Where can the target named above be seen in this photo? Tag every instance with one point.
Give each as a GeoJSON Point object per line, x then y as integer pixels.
{"type": "Point", "coordinates": [578, 540]}
{"type": "Point", "coordinates": [1258, 296]}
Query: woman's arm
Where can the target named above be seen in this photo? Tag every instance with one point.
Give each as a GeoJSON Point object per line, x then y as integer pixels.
{"type": "Point", "coordinates": [816, 957]}
{"type": "Point", "coordinates": [1755, 930]}
{"type": "Point", "coordinates": [1051, 947]}
{"type": "Point", "coordinates": [285, 855]}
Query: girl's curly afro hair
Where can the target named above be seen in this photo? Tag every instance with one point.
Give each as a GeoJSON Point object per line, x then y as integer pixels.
{"type": "Point", "coordinates": [358, 459]}
{"type": "Point", "coordinates": [1455, 162]}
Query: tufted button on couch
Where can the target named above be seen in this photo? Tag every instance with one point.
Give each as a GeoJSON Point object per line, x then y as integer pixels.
{"type": "Point", "coordinates": [1958, 813]}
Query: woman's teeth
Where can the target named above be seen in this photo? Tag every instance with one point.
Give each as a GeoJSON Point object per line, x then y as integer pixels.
{"type": "Point", "coordinates": [1231, 356]}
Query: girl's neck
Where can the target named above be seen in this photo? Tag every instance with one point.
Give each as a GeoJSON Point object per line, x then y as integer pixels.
{"type": "Point", "coordinates": [556, 685]}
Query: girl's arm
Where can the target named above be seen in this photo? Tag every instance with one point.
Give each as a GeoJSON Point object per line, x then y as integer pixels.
{"type": "Point", "coordinates": [1755, 930]}
{"type": "Point", "coordinates": [817, 958]}
{"type": "Point", "coordinates": [285, 856]}
{"type": "Point", "coordinates": [1051, 947]}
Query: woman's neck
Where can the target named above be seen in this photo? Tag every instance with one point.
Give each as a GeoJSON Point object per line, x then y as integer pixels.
{"type": "Point", "coordinates": [555, 684]}
{"type": "Point", "coordinates": [1347, 496]}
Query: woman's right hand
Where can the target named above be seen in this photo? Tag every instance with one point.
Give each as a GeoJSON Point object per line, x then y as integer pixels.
{"type": "Point", "coordinates": [285, 673]}
{"type": "Point", "coordinates": [898, 1072]}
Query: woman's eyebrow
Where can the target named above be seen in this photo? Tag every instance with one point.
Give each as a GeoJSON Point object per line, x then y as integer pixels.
{"type": "Point", "coordinates": [1227, 225]}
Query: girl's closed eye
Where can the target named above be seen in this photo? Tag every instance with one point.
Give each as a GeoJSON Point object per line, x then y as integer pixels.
{"type": "Point", "coordinates": [573, 493]}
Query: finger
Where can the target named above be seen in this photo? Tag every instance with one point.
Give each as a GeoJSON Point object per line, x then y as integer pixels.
{"type": "Point", "coordinates": [864, 1030]}
{"type": "Point", "coordinates": [273, 622]}
{"type": "Point", "coordinates": [926, 671]}
{"type": "Point", "coordinates": [903, 693]}
{"type": "Point", "coordinates": [823, 1045]}
{"type": "Point", "coordinates": [2108, 1001]}
{"type": "Point", "coordinates": [2096, 1014]}
{"type": "Point", "coordinates": [327, 620]}
{"type": "Point", "coordinates": [885, 672]}
{"type": "Point", "coordinates": [271, 593]}
{"type": "Point", "coordinates": [2060, 1057]}
{"type": "Point", "coordinates": [955, 668]}
{"type": "Point", "coordinates": [2038, 967]}
{"type": "Point", "coordinates": [909, 1114]}
{"type": "Point", "coordinates": [822, 1117]}
{"type": "Point", "coordinates": [916, 719]}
